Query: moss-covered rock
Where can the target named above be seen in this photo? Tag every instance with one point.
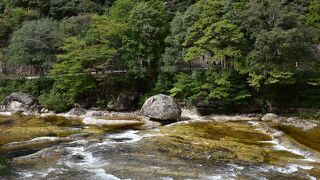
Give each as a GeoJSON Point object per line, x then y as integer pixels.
{"type": "Point", "coordinates": [5, 167]}
{"type": "Point", "coordinates": [213, 141]}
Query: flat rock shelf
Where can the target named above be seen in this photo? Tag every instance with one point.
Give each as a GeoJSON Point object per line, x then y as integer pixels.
{"type": "Point", "coordinates": [126, 148]}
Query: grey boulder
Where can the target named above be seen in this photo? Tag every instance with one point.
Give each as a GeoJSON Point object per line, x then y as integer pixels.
{"type": "Point", "coordinates": [270, 117]}
{"type": "Point", "coordinates": [161, 107]}
{"type": "Point", "coordinates": [21, 102]}
{"type": "Point", "coordinates": [77, 112]}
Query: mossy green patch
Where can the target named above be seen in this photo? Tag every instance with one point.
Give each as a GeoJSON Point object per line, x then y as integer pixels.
{"type": "Point", "coordinates": [5, 167]}
{"type": "Point", "coordinates": [62, 121]}
{"type": "Point", "coordinates": [22, 128]}
{"type": "Point", "coordinates": [309, 138]}
{"type": "Point", "coordinates": [214, 141]}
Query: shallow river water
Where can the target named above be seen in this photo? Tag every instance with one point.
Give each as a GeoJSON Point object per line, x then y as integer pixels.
{"type": "Point", "coordinates": [186, 150]}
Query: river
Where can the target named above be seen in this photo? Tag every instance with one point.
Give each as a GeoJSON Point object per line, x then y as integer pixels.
{"type": "Point", "coordinates": [57, 147]}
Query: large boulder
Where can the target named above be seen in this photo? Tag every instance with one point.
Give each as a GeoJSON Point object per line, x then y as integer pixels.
{"type": "Point", "coordinates": [123, 101]}
{"type": "Point", "coordinates": [21, 102]}
{"type": "Point", "coordinates": [77, 112]}
{"type": "Point", "coordinates": [161, 107]}
{"type": "Point", "coordinates": [270, 117]}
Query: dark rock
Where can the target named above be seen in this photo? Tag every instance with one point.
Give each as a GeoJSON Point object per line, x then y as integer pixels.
{"type": "Point", "coordinates": [43, 157]}
{"type": "Point", "coordinates": [21, 102]}
{"type": "Point", "coordinates": [205, 108]}
{"type": "Point", "coordinates": [161, 107]}
{"type": "Point", "coordinates": [124, 101]}
{"type": "Point", "coordinates": [77, 112]}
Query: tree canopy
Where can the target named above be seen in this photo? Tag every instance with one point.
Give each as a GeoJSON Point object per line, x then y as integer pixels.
{"type": "Point", "coordinates": [221, 53]}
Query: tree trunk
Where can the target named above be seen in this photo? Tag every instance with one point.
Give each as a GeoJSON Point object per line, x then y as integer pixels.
{"type": "Point", "coordinates": [269, 105]}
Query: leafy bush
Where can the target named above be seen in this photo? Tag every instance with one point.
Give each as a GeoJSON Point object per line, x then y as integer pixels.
{"type": "Point", "coordinates": [57, 101]}
{"type": "Point", "coordinates": [8, 86]}
{"type": "Point", "coordinates": [225, 89]}
{"type": "Point", "coordinates": [36, 87]}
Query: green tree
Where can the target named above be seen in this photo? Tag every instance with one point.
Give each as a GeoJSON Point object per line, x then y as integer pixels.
{"type": "Point", "coordinates": [313, 18]}
{"type": "Point", "coordinates": [281, 44]}
{"type": "Point", "coordinates": [223, 89]}
{"type": "Point", "coordinates": [66, 8]}
{"type": "Point", "coordinates": [121, 9]}
{"type": "Point", "coordinates": [76, 26]}
{"type": "Point", "coordinates": [11, 20]}
{"type": "Point", "coordinates": [35, 43]}
{"type": "Point", "coordinates": [94, 51]}
{"type": "Point", "coordinates": [179, 5]}
{"type": "Point", "coordinates": [41, 6]}
{"type": "Point", "coordinates": [145, 40]}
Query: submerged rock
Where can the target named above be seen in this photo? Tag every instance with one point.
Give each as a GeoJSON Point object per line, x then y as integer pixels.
{"type": "Point", "coordinates": [77, 112]}
{"type": "Point", "coordinates": [21, 102]}
{"type": "Point", "coordinates": [161, 107]}
{"type": "Point", "coordinates": [34, 143]}
{"type": "Point", "coordinates": [123, 102]}
{"type": "Point", "coordinates": [210, 141]}
{"type": "Point", "coordinates": [111, 123]}
{"type": "Point", "coordinates": [41, 158]}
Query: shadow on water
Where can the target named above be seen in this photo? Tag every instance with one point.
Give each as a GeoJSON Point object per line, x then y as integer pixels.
{"type": "Point", "coordinates": [5, 167]}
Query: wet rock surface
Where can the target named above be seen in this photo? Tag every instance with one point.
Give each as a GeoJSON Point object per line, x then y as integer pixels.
{"type": "Point", "coordinates": [270, 117]}
{"type": "Point", "coordinates": [200, 148]}
{"type": "Point", "coordinates": [21, 102]}
{"type": "Point", "coordinates": [161, 107]}
{"type": "Point", "coordinates": [290, 121]}
{"type": "Point", "coordinates": [77, 112]}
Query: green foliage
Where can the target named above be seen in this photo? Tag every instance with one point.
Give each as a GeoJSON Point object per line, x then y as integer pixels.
{"type": "Point", "coordinates": [35, 43]}
{"type": "Point", "coordinates": [313, 18]}
{"type": "Point", "coordinates": [93, 51]}
{"type": "Point", "coordinates": [225, 88]}
{"type": "Point", "coordinates": [11, 20]}
{"type": "Point", "coordinates": [76, 26]}
{"type": "Point", "coordinates": [9, 86]}
{"type": "Point", "coordinates": [75, 85]}
{"type": "Point", "coordinates": [6, 167]}
{"type": "Point", "coordinates": [281, 45]}
{"type": "Point", "coordinates": [144, 42]}
{"type": "Point", "coordinates": [179, 5]}
{"type": "Point", "coordinates": [260, 50]}
{"type": "Point", "coordinates": [121, 9]}
{"type": "Point", "coordinates": [34, 87]}
{"type": "Point", "coordinates": [67, 8]}
{"type": "Point", "coordinates": [55, 100]}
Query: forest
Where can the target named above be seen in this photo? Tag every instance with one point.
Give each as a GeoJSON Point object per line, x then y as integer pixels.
{"type": "Point", "coordinates": [229, 55]}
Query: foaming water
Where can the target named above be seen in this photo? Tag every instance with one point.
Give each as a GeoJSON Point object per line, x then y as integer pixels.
{"type": "Point", "coordinates": [128, 154]}
{"type": "Point", "coordinates": [5, 113]}
{"type": "Point", "coordinates": [290, 168]}
{"type": "Point", "coordinates": [101, 174]}
{"type": "Point", "coordinates": [278, 145]}
{"type": "Point", "coordinates": [130, 136]}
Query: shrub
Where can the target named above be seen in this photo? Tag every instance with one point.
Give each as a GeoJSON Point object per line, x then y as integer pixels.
{"type": "Point", "coordinates": [57, 101]}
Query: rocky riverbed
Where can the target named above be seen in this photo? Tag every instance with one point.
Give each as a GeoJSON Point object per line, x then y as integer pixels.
{"type": "Point", "coordinates": [104, 145]}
